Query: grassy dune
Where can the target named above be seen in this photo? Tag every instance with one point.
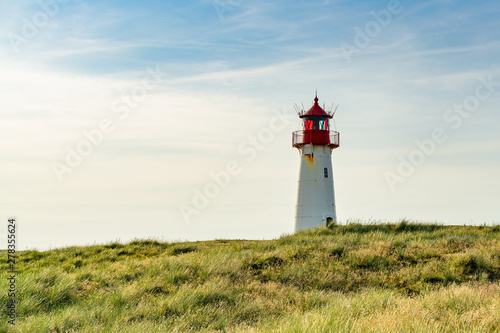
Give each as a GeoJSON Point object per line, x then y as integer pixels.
{"type": "Point", "coordinates": [356, 278]}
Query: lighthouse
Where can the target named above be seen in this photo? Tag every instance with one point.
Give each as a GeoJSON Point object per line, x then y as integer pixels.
{"type": "Point", "coordinates": [315, 142]}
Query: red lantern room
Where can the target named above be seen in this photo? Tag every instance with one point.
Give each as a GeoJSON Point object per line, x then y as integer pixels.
{"type": "Point", "coordinates": [316, 128]}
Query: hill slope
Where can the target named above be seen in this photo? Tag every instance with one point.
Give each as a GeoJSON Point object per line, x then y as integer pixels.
{"type": "Point", "coordinates": [354, 278]}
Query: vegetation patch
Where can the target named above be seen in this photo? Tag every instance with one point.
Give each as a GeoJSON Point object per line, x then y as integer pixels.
{"type": "Point", "coordinates": [355, 278]}
{"type": "Point", "coordinates": [268, 262]}
{"type": "Point", "coordinates": [180, 249]}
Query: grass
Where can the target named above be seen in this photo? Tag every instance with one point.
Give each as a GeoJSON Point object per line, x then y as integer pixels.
{"type": "Point", "coordinates": [404, 277]}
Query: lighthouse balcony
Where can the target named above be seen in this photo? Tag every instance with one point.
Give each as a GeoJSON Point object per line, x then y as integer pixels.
{"type": "Point", "coordinates": [317, 137]}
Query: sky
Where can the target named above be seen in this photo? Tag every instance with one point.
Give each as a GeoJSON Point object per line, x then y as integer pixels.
{"type": "Point", "coordinates": [172, 120]}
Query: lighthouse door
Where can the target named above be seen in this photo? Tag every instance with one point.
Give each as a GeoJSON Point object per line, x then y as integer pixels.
{"type": "Point", "coordinates": [329, 222]}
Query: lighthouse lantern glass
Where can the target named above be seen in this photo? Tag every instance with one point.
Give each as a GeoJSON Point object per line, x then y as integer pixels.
{"type": "Point", "coordinates": [315, 123]}
{"type": "Point", "coordinates": [308, 124]}
{"type": "Point", "coordinates": [323, 124]}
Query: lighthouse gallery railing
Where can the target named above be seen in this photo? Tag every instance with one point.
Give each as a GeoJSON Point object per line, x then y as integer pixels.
{"type": "Point", "coordinates": [317, 137]}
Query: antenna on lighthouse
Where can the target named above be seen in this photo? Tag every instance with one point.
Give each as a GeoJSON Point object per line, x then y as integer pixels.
{"type": "Point", "coordinates": [331, 108]}
{"type": "Point", "coordinates": [333, 114]}
{"type": "Point", "coordinates": [296, 107]}
{"type": "Point", "coordinates": [334, 111]}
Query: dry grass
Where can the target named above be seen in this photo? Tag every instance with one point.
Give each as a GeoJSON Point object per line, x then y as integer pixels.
{"type": "Point", "coordinates": [357, 278]}
{"type": "Point", "coordinates": [466, 308]}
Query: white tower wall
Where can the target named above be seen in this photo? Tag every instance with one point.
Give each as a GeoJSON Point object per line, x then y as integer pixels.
{"type": "Point", "coordinates": [315, 197]}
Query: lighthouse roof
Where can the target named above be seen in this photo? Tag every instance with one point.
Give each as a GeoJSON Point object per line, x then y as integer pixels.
{"type": "Point", "coordinates": [316, 111]}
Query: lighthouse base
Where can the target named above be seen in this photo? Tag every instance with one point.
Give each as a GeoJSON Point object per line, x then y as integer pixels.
{"type": "Point", "coordinates": [315, 197]}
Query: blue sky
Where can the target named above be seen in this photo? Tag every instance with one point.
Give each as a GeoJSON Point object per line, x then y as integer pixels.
{"type": "Point", "coordinates": [224, 70]}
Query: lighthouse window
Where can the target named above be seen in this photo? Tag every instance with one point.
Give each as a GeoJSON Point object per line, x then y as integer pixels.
{"type": "Point", "coordinates": [308, 124]}
{"type": "Point", "coordinates": [322, 125]}
{"type": "Point", "coordinates": [326, 172]}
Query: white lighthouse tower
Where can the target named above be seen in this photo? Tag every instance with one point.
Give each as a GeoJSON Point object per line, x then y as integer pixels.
{"type": "Point", "coordinates": [315, 142]}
